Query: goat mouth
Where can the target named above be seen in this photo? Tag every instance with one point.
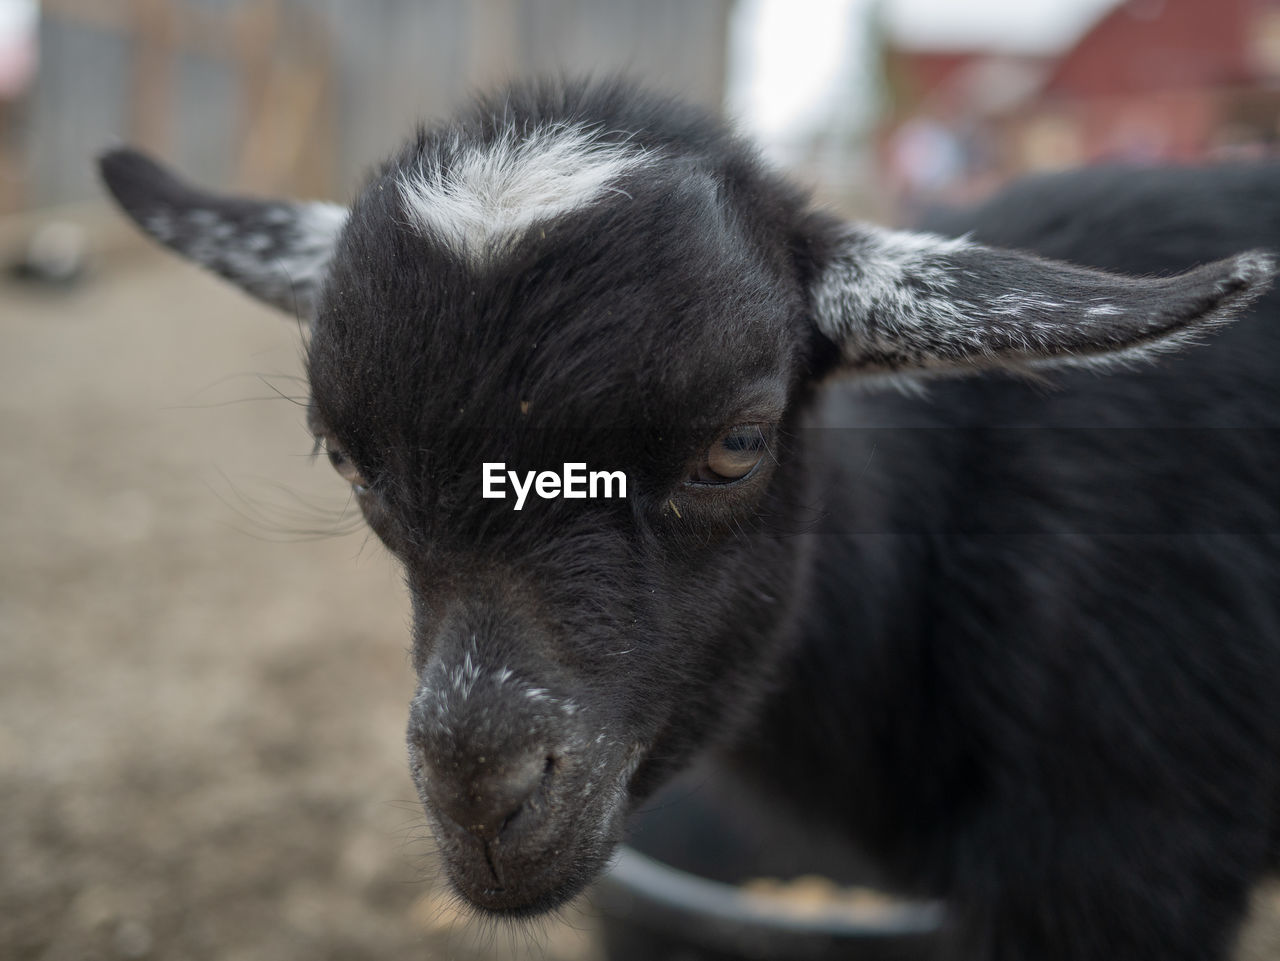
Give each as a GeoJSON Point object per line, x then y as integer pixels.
{"type": "Point", "coordinates": [492, 886]}
{"type": "Point", "coordinates": [527, 875]}
{"type": "Point", "coordinates": [542, 858]}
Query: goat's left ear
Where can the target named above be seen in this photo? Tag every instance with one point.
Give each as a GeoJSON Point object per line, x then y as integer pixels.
{"type": "Point", "coordinates": [278, 251]}
{"type": "Point", "coordinates": [897, 301]}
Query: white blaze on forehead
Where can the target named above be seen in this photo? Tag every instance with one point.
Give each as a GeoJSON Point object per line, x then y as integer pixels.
{"type": "Point", "coordinates": [480, 197]}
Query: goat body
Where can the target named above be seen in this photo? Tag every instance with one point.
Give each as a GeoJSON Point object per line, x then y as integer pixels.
{"type": "Point", "coordinates": [1014, 628]}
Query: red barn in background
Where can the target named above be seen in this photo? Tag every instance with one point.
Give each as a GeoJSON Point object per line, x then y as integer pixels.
{"type": "Point", "coordinates": [1150, 81]}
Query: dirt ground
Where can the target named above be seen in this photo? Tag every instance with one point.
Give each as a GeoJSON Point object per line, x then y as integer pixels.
{"type": "Point", "coordinates": [202, 701]}
{"type": "Point", "coordinates": [201, 697]}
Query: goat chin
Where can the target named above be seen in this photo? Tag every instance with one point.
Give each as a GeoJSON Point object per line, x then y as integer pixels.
{"type": "Point", "coordinates": [518, 881]}
{"type": "Point", "coordinates": [550, 847]}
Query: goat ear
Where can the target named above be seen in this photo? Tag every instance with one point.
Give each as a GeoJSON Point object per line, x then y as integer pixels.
{"type": "Point", "coordinates": [277, 251]}
{"type": "Point", "coordinates": [903, 302]}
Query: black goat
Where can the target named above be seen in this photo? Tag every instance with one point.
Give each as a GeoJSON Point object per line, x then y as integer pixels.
{"type": "Point", "coordinates": [1021, 639]}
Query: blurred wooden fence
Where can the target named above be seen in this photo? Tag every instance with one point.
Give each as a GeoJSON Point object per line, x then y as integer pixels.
{"type": "Point", "coordinates": [272, 95]}
{"type": "Point", "coordinates": [277, 59]}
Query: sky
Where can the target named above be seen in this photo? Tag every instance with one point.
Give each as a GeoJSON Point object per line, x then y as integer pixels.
{"type": "Point", "coordinates": [1024, 26]}
{"type": "Point", "coordinates": [16, 15]}
{"type": "Point", "coordinates": [792, 58]}
{"type": "Point", "coordinates": [17, 46]}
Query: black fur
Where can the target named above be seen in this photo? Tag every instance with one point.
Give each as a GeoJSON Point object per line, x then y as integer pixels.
{"type": "Point", "coordinates": [1020, 640]}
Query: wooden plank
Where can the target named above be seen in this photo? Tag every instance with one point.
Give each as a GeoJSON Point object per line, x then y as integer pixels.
{"type": "Point", "coordinates": [257, 34]}
{"type": "Point", "coordinates": [193, 29]}
{"type": "Point", "coordinates": [493, 42]}
{"type": "Point", "coordinates": [151, 100]}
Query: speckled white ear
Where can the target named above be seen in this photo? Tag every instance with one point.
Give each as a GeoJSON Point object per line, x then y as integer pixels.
{"type": "Point", "coordinates": [277, 251]}
{"type": "Point", "coordinates": [905, 303]}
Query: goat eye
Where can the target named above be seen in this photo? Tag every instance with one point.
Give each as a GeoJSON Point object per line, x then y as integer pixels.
{"type": "Point", "coordinates": [345, 467]}
{"type": "Point", "coordinates": [734, 455]}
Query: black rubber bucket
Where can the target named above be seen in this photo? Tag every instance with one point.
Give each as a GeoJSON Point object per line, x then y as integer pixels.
{"type": "Point", "coordinates": [682, 889]}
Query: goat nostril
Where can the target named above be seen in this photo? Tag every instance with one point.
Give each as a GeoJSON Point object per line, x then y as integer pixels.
{"type": "Point", "coordinates": [487, 799]}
